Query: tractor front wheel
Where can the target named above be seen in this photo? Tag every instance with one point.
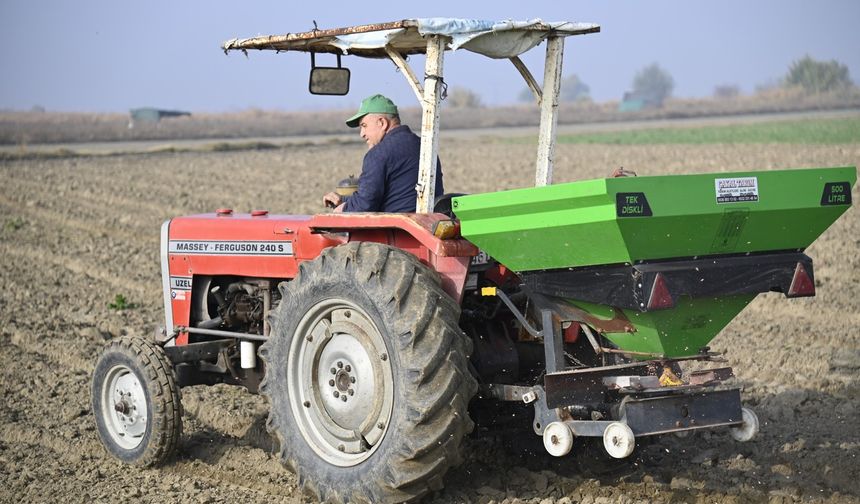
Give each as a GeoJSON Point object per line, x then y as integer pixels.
{"type": "Point", "coordinates": [367, 376]}
{"type": "Point", "coordinates": [136, 402]}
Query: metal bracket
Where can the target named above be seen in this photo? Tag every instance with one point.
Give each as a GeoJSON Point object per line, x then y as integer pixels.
{"type": "Point", "coordinates": [404, 67]}
{"type": "Point", "coordinates": [543, 415]}
{"type": "Point", "coordinates": [551, 335]}
{"type": "Point", "coordinates": [529, 78]}
{"type": "Point", "coordinates": [223, 334]}
{"type": "Point", "coordinates": [195, 352]}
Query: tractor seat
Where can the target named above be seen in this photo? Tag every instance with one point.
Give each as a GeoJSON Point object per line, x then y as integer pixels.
{"type": "Point", "coordinates": [442, 204]}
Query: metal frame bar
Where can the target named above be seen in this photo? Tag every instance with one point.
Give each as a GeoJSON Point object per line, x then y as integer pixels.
{"type": "Point", "coordinates": [529, 78]}
{"type": "Point", "coordinates": [549, 110]}
{"type": "Point", "coordinates": [225, 334]}
{"type": "Point", "coordinates": [433, 72]}
{"type": "Point", "coordinates": [404, 67]}
{"type": "Point", "coordinates": [430, 95]}
{"type": "Point", "coordinates": [550, 332]}
{"type": "Point", "coordinates": [165, 282]}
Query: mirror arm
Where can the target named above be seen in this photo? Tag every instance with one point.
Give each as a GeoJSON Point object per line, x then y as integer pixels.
{"type": "Point", "coordinates": [529, 78]}
{"type": "Point", "coordinates": [404, 67]}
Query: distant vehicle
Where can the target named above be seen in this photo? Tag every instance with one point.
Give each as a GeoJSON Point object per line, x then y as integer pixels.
{"type": "Point", "coordinates": [151, 115]}
{"type": "Point", "coordinates": [634, 102]}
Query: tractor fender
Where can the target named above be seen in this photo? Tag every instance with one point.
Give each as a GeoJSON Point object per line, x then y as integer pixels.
{"type": "Point", "coordinates": [410, 232]}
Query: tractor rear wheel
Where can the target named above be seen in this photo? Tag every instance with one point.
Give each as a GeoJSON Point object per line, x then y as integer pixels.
{"type": "Point", "coordinates": [136, 402]}
{"type": "Point", "coordinates": [367, 376]}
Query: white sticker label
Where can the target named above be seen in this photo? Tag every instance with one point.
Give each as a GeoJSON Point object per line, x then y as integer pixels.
{"type": "Point", "coordinates": [735, 190]}
{"type": "Point", "coordinates": [242, 248]}
{"type": "Point", "coordinates": [180, 283]}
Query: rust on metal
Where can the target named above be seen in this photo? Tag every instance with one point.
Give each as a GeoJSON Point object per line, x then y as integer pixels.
{"type": "Point", "coordinates": [619, 323]}
{"type": "Point", "coordinates": [321, 41]}
{"type": "Point", "coordinates": [314, 40]}
{"type": "Point", "coordinates": [708, 376]}
{"type": "Point", "coordinates": [420, 226]}
{"type": "Point", "coordinates": [511, 393]}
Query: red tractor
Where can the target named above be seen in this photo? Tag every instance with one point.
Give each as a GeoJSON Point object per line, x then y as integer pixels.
{"type": "Point", "coordinates": [369, 334]}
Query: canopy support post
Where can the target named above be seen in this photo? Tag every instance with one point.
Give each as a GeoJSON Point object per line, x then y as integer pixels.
{"type": "Point", "coordinates": [433, 84]}
{"type": "Point", "coordinates": [549, 110]}
{"type": "Point", "coordinates": [529, 78]}
{"type": "Point", "coordinates": [404, 67]}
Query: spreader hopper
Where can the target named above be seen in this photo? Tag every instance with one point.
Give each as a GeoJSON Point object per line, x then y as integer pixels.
{"type": "Point", "coordinates": [670, 259]}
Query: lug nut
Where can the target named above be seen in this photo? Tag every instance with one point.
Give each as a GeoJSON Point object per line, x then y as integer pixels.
{"type": "Point", "coordinates": [336, 394]}
{"type": "Point", "coordinates": [339, 364]}
{"type": "Point", "coordinates": [348, 368]}
{"type": "Point", "coordinates": [352, 379]}
{"type": "Point", "coordinates": [333, 371]}
{"type": "Point", "coordinates": [351, 392]}
{"type": "Point", "coordinates": [331, 383]}
{"type": "Point", "coordinates": [343, 398]}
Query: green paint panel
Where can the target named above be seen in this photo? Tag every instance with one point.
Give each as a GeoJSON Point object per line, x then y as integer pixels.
{"type": "Point", "coordinates": [606, 221]}
{"type": "Point", "coordinates": [681, 331]}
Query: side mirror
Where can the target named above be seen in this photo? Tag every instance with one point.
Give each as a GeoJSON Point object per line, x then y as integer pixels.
{"type": "Point", "coordinates": [328, 80]}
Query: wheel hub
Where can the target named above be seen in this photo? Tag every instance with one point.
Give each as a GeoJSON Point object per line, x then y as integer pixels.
{"type": "Point", "coordinates": [349, 397]}
{"type": "Point", "coordinates": [124, 407]}
{"type": "Point", "coordinates": [342, 380]}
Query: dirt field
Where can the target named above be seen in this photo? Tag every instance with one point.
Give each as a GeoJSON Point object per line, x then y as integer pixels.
{"type": "Point", "coordinates": [77, 232]}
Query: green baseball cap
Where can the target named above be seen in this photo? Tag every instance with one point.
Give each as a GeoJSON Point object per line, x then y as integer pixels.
{"type": "Point", "coordinates": [376, 104]}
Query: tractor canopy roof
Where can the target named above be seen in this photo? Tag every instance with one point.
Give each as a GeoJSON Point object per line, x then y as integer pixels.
{"type": "Point", "coordinates": [495, 39]}
{"type": "Point", "coordinates": [433, 37]}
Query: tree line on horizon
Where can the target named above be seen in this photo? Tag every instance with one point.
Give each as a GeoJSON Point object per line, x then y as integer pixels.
{"type": "Point", "coordinates": [653, 85]}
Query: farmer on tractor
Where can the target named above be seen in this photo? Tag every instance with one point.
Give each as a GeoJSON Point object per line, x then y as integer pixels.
{"type": "Point", "coordinates": [389, 172]}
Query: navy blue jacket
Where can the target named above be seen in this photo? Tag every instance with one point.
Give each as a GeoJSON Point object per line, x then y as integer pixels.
{"type": "Point", "coordinates": [389, 174]}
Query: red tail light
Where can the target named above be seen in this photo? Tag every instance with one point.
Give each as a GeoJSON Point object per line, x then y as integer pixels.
{"type": "Point", "coordinates": [571, 332]}
{"type": "Point", "coordinates": [660, 298]}
{"type": "Point", "coordinates": [801, 284]}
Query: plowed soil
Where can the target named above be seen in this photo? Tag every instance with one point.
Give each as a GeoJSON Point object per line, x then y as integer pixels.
{"type": "Point", "coordinates": [78, 231]}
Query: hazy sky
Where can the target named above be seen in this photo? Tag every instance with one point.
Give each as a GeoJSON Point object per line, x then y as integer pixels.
{"type": "Point", "coordinates": [113, 55]}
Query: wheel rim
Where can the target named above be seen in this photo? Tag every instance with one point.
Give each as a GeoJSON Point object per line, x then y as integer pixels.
{"type": "Point", "coordinates": [748, 429]}
{"type": "Point", "coordinates": [618, 440]}
{"type": "Point", "coordinates": [340, 382]}
{"type": "Point", "coordinates": [124, 407]}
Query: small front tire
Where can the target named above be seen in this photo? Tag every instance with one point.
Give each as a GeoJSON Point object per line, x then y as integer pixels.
{"type": "Point", "coordinates": [618, 440]}
{"type": "Point", "coordinates": [136, 402]}
{"type": "Point", "coordinates": [748, 429]}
